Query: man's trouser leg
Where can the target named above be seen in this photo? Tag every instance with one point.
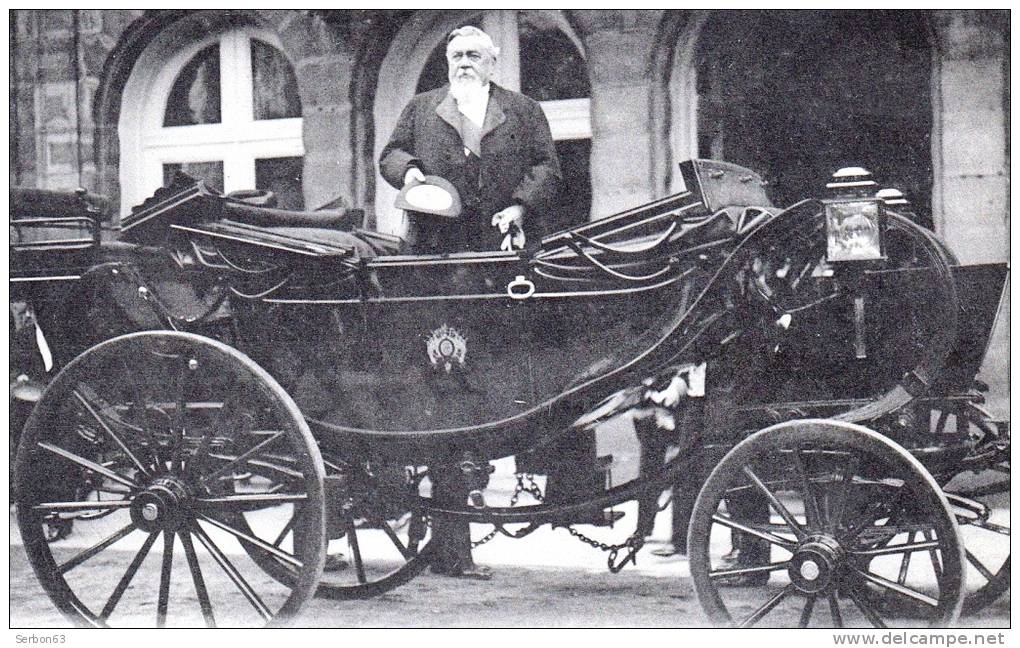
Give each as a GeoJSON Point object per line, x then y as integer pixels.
{"type": "Point", "coordinates": [753, 510]}
{"type": "Point", "coordinates": [452, 535]}
{"type": "Point", "coordinates": [727, 383]}
{"type": "Point", "coordinates": [572, 475]}
{"type": "Point", "coordinates": [653, 454]}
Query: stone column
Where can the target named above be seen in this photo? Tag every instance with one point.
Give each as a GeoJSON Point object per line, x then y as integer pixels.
{"type": "Point", "coordinates": [324, 69]}
{"type": "Point", "coordinates": [329, 162]}
{"type": "Point", "coordinates": [56, 100]}
{"type": "Point", "coordinates": [24, 73]}
{"type": "Point", "coordinates": [618, 46]}
{"type": "Point", "coordinates": [971, 155]}
{"type": "Point", "coordinates": [971, 159]}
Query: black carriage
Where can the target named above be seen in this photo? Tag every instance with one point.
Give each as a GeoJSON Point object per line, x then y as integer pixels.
{"type": "Point", "coordinates": [282, 382]}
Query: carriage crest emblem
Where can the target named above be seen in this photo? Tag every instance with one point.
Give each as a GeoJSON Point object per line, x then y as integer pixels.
{"type": "Point", "coordinates": [445, 347]}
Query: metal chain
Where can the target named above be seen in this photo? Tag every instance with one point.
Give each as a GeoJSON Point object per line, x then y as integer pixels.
{"type": "Point", "coordinates": [499, 528]}
{"type": "Point", "coordinates": [488, 536]}
{"type": "Point", "coordinates": [633, 544]}
{"type": "Point", "coordinates": [531, 488]}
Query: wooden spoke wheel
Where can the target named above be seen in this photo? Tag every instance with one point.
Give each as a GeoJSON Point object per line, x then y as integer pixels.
{"type": "Point", "coordinates": [377, 532]}
{"type": "Point", "coordinates": [817, 523]}
{"type": "Point", "coordinates": [980, 499]}
{"type": "Point", "coordinates": [154, 443]}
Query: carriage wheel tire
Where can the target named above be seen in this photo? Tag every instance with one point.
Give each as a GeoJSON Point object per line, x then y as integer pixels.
{"type": "Point", "coordinates": [829, 511]}
{"type": "Point", "coordinates": [159, 422]}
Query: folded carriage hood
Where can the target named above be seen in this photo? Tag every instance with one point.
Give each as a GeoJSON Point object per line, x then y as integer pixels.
{"type": "Point", "coordinates": [47, 203]}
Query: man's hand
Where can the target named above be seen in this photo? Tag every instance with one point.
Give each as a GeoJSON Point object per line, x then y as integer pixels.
{"type": "Point", "coordinates": [512, 214]}
{"type": "Point", "coordinates": [413, 175]}
{"type": "Point", "coordinates": [670, 396]}
{"type": "Point", "coordinates": [510, 221]}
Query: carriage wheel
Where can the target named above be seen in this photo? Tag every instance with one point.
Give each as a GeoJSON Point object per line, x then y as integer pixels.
{"type": "Point", "coordinates": [981, 501]}
{"type": "Point", "coordinates": [378, 534]}
{"type": "Point", "coordinates": [829, 518]}
{"type": "Point", "coordinates": [171, 435]}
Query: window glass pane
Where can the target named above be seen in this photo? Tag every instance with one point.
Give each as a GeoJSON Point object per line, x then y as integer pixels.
{"type": "Point", "coordinates": [209, 172]}
{"type": "Point", "coordinates": [275, 87]}
{"type": "Point", "coordinates": [282, 176]}
{"type": "Point", "coordinates": [195, 96]}
{"type": "Point", "coordinates": [551, 67]}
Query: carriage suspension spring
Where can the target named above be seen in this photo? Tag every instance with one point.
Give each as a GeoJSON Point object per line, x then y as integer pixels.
{"type": "Point", "coordinates": [632, 544]}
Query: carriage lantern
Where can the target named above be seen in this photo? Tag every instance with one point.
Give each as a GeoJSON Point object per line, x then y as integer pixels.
{"type": "Point", "coordinates": [853, 217]}
{"type": "Point", "coordinates": [896, 201]}
{"type": "Point", "coordinates": [893, 198]}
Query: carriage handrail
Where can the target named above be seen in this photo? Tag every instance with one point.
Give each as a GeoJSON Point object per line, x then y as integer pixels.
{"type": "Point", "coordinates": [655, 244]}
{"type": "Point", "coordinates": [614, 273]}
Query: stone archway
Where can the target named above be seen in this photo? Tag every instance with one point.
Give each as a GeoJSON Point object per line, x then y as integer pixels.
{"type": "Point", "coordinates": [680, 100]}
{"type": "Point", "coordinates": [411, 49]}
{"type": "Point", "coordinates": [674, 97]}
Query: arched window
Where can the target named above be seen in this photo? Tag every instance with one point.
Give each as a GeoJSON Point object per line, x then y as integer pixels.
{"type": "Point", "coordinates": [539, 56]}
{"type": "Point", "coordinates": [224, 109]}
{"type": "Point", "coordinates": [797, 95]}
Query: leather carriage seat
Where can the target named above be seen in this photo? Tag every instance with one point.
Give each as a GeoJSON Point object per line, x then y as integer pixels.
{"type": "Point", "coordinates": [337, 225]}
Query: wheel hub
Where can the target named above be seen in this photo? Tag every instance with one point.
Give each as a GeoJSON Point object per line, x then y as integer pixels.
{"type": "Point", "coordinates": [150, 512]}
{"type": "Point", "coordinates": [161, 505]}
{"type": "Point", "coordinates": [815, 564]}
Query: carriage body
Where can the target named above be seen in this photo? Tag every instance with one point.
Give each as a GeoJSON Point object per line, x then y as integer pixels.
{"type": "Point", "coordinates": [410, 361]}
{"type": "Point", "coordinates": [418, 353]}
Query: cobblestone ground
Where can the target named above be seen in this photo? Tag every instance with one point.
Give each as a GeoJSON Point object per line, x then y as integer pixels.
{"type": "Point", "coordinates": [547, 579]}
{"type": "Point", "coordinates": [518, 596]}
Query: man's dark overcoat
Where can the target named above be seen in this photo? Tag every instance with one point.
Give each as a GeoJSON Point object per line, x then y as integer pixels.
{"type": "Point", "coordinates": [518, 163]}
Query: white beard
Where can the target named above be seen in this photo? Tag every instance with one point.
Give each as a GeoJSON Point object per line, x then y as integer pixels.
{"type": "Point", "coordinates": [466, 91]}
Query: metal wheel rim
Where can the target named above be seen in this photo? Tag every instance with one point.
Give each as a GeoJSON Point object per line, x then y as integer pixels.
{"type": "Point", "coordinates": [796, 433]}
{"type": "Point", "coordinates": [68, 598]}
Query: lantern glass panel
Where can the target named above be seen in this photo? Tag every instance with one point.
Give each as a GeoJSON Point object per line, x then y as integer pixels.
{"type": "Point", "coordinates": [853, 230]}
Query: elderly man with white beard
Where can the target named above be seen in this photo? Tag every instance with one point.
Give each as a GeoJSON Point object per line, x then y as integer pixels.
{"type": "Point", "coordinates": [495, 147]}
{"type": "Point", "coordinates": [492, 144]}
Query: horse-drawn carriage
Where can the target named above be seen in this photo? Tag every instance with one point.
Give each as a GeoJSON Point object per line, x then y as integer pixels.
{"type": "Point", "coordinates": [276, 385]}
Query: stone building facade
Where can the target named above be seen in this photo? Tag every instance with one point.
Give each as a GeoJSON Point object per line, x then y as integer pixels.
{"type": "Point", "coordinates": [920, 97]}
